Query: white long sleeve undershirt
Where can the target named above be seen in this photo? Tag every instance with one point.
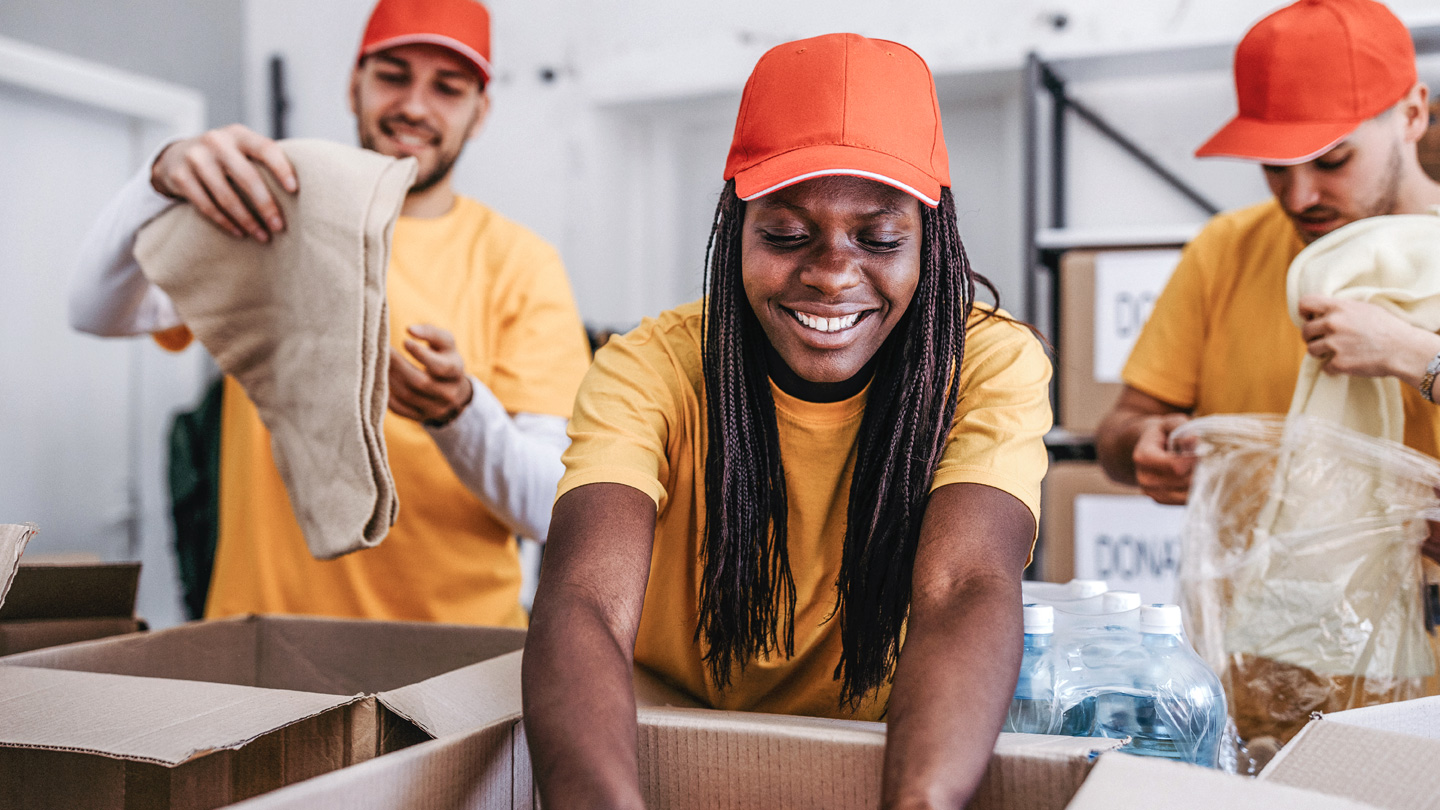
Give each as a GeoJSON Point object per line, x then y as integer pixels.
{"type": "Point", "coordinates": [511, 463]}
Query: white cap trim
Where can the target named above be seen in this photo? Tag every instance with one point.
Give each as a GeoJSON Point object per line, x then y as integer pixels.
{"type": "Point", "coordinates": [889, 181]}
{"type": "Point", "coordinates": [1288, 161]}
{"type": "Point", "coordinates": [435, 39]}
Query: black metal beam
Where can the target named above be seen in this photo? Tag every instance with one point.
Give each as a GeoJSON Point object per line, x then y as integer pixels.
{"type": "Point", "coordinates": [1115, 136]}
{"type": "Point", "coordinates": [279, 102]}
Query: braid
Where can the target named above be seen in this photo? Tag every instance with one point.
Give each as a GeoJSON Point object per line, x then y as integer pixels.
{"type": "Point", "coordinates": [747, 585]}
{"type": "Point", "coordinates": [747, 593]}
{"type": "Point", "coordinates": [902, 436]}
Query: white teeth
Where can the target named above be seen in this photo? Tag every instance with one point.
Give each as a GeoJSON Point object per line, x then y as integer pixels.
{"type": "Point", "coordinates": [826, 324]}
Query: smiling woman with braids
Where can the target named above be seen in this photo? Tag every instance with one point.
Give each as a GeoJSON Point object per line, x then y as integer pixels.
{"type": "Point", "coordinates": [814, 491]}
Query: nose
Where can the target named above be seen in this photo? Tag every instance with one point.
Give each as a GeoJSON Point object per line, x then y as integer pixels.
{"type": "Point", "coordinates": [832, 266]}
{"type": "Point", "coordinates": [413, 104]}
{"type": "Point", "coordinates": [1299, 189]}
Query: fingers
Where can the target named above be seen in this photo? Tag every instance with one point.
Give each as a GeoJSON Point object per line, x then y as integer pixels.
{"type": "Point", "coordinates": [217, 173]}
{"type": "Point", "coordinates": [1315, 305]}
{"type": "Point", "coordinates": [413, 385]}
{"type": "Point", "coordinates": [1162, 474]}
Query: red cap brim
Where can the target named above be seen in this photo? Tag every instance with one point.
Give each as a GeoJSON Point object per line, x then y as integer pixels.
{"type": "Point", "coordinates": [461, 49]}
{"type": "Point", "coordinates": [799, 165]}
{"type": "Point", "coordinates": [1280, 143]}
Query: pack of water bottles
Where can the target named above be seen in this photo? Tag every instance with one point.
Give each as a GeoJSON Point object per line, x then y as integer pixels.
{"type": "Point", "coordinates": [1099, 664]}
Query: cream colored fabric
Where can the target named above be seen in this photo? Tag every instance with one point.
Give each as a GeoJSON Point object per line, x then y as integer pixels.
{"type": "Point", "coordinates": [13, 537]}
{"type": "Point", "coordinates": [1331, 577]}
{"type": "Point", "coordinates": [1391, 261]}
{"type": "Point", "coordinates": [301, 324]}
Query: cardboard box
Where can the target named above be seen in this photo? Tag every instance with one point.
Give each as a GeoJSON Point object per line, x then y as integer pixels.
{"type": "Point", "coordinates": [1094, 528]}
{"type": "Point", "coordinates": [306, 654]}
{"type": "Point", "coordinates": [1105, 297]}
{"type": "Point", "coordinates": [1381, 755]}
{"type": "Point", "coordinates": [1361, 759]}
{"type": "Point", "coordinates": [58, 603]}
{"type": "Point", "coordinates": [690, 758]}
{"type": "Point", "coordinates": [79, 739]}
{"type": "Point", "coordinates": [1126, 781]}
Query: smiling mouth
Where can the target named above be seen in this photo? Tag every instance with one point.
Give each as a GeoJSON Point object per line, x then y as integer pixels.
{"type": "Point", "coordinates": [821, 324]}
{"type": "Point", "coordinates": [409, 139]}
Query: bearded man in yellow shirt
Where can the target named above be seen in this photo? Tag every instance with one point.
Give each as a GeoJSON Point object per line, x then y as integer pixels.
{"type": "Point", "coordinates": [487, 347]}
{"type": "Point", "coordinates": [1332, 108]}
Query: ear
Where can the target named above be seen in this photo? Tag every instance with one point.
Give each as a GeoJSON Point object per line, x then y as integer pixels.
{"type": "Point", "coordinates": [1415, 112]}
{"type": "Point", "coordinates": [353, 97]}
{"type": "Point", "coordinates": [482, 109]}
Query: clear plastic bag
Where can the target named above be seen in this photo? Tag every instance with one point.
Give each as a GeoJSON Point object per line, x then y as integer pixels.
{"type": "Point", "coordinates": [1300, 573]}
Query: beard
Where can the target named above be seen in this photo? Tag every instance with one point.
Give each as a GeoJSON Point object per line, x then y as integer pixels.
{"type": "Point", "coordinates": [1385, 200]}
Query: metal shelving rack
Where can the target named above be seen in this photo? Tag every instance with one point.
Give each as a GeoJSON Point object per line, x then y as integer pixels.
{"type": "Point", "coordinates": [1046, 235]}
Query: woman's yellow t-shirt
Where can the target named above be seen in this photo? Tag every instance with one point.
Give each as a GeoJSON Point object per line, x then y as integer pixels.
{"type": "Point", "coordinates": [640, 421]}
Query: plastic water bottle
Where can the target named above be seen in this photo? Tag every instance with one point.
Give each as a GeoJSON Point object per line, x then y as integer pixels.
{"type": "Point", "coordinates": [1038, 706]}
{"type": "Point", "coordinates": [1049, 593]}
{"type": "Point", "coordinates": [1168, 703]}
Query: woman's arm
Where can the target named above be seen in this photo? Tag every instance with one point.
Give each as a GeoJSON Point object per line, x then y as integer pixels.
{"type": "Point", "coordinates": [579, 654]}
{"type": "Point", "coordinates": [963, 641]}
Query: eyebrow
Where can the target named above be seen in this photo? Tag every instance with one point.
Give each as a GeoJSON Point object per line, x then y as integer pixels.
{"type": "Point", "coordinates": [445, 73]}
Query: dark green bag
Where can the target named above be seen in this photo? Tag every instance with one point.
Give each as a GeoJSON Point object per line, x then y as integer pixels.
{"type": "Point", "coordinates": [195, 495]}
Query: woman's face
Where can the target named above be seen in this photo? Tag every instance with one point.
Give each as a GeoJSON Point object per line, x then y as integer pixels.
{"type": "Point", "coordinates": [829, 266]}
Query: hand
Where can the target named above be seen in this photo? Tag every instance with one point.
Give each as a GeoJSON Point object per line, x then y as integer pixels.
{"type": "Point", "coordinates": [1364, 340]}
{"type": "Point", "coordinates": [1162, 473]}
{"type": "Point", "coordinates": [214, 172]}
{"type": "Point", "coordinates": [438, 390]}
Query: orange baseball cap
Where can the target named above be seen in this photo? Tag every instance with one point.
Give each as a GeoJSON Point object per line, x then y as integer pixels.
{"type": "Point", "coordinates": [1307, 75]}
{"type": "Point", "coordinates": [839, 104]}
{"type": "Point", "coordinates": [463, 26]}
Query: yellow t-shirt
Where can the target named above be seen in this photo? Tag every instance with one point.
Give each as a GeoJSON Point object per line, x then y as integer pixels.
{"type": "Point", "coordinates": [640, 421]}
{"type": "Point", "coordinates": [1220, 339]}
{"type": "Point", "coordinates": [503, 293]}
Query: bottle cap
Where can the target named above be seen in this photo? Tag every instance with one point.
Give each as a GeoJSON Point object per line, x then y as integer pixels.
{"type": "Point", "coordinates": [1119, 601]}
{"type": "Point", "coordinates": [1039, 619]}
{"type": "Point", "coordinates": [1086, 588]}
{"type": "Point", "coordinates": [1160, 619]}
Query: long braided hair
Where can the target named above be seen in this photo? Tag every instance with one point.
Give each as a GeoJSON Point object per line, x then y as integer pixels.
{"type": "Point", "coordinates": [747, 594]}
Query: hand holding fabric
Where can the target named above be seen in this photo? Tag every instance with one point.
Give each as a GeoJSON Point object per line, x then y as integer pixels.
{"type": "Point", "coordinates": [1362, 339]}
{"type": "Point", "coordinates": [215, 171]}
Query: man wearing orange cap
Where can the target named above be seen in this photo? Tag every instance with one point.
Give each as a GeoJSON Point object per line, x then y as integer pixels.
{"type": "Point", "coordinates": [480, 305]}
{"type": "Point", "coordinates": [1331, 107]}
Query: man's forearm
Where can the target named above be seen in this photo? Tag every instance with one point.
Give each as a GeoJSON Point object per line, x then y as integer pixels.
{"type": "Point", "coordinates": [512, 464]}
{"type": "Point", "coordinates": [953, 685]}
{"type": "Point", "coordinates": [1115, 444]}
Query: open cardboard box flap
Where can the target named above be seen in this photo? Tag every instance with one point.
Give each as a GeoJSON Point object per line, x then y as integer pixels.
{"type": "Point", "coordinates": [305, 654]}
{"type": "Point", "coordinates": [1123, 780]}
{"type": "Point", "coordinates": [13, 538]}
{"type": "Point", "coordinates": [1382, 755]}
{"type": "Point", "coordinates": [143, 719]}
{"type": "Point", "coordinates": [690, 758]}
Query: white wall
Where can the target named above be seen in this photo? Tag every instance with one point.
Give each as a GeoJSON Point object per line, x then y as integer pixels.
{"type": "Point", "coordinates": [617, 160]}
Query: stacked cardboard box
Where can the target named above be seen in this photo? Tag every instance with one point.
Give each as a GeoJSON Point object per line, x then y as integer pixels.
{"type": "Point", "coordinates": [207, 714]}
{"type": "Point", "coordinates": [57, 603]}
{"type": "Point", "coordinates": [1094, 528]}
{"type": "Point", "coordinates": [1105, 297]}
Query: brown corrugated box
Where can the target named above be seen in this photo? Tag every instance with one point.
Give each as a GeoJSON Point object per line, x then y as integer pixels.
{"type": "Point", "coordinates": [1362, 759]}
{"type": "Point", "coordinates": [690, 759]}
{"type": "Point", "coordinates": [58, 603]}
{"type": "Point", "coordinates": [1063, 482]}
{"type": "Point", "coordinates": [367, 681]}
{"type": "Point", "coordinates": [1084, 399]}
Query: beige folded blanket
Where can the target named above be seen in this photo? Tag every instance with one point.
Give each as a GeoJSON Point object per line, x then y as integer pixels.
{"type": "Point", "coordinates": [301, 324]}
{"type": "Point", "coordinates": [13, 537]}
